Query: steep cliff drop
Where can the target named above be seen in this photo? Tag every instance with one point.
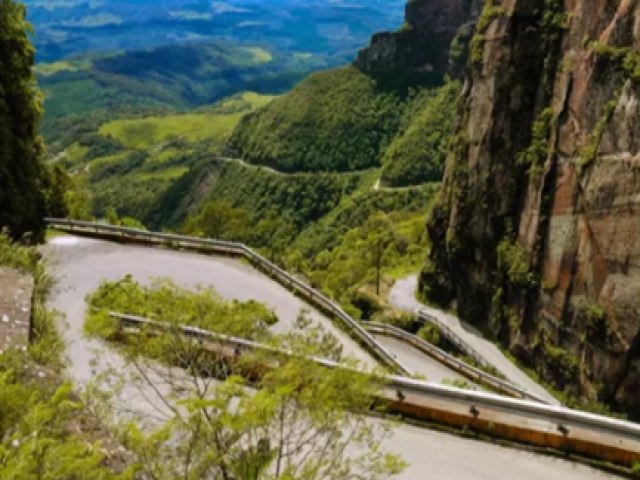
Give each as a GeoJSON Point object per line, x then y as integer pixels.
{"type": "Point", "coordinates": [537, 233]}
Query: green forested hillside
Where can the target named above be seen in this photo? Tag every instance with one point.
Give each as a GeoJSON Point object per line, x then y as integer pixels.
{"type": "Point", "coordinates": [339, 120]}
{"type": "Point", "coordinates": [299, 198]}
{"type": "Point", "coordinates": [173, 77]}
{"type": "Point", "coordinates": [128, 164]}
{"type": "Point", "coordinates": [419, 152]}
{"type": "Point", "coordinates": [345, 120]}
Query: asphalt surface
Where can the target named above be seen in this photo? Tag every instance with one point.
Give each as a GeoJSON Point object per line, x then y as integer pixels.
{"type": "Point", "coordinates": [418, 362]}
{"type": "Point", "coordinates": [402, 296]}
{"type": "Point", "coordinates": [79, 265]}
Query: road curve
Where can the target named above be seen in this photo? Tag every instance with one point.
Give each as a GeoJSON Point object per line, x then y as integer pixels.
{"type": "Point", "coordinates": [78, 266]}
{"type": "Point", "coordinates": [402, 296]}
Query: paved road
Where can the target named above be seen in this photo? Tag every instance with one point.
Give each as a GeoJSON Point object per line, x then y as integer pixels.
{"type": "Point", "coordinates": [418, 362]}
{"type": "Point", "coordinates": [402, 296]}
{"type": "Point", "coordinates": [377, 187]}
{"type": "Point", "coordinates": [80, 264]}
{"type": "Point", "coordinates": [439, 456]}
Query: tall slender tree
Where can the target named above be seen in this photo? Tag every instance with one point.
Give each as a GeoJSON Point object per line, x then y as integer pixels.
{"type": "Point", "coordinates": [23, 176]}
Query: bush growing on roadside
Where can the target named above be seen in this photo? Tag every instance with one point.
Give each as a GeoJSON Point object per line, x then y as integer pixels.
{"type": "Point", "coordinates": [429, 333]}
{"type": "Point", "coordinates": [163, 300]}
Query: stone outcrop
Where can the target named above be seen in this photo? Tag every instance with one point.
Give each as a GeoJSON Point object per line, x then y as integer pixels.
{"type": "Point", "coordinates": [537, 233]}
{"type": "Point", "coordinates": [16, 292]}
{"type": "Point", "coordinates": [422, 49]}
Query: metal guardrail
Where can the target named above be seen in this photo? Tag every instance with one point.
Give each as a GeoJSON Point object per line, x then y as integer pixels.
{"type": "Point", "coordinates": [232, 248]}
{"type": "Point", "coordinates": [239, 345]}
{"type": "Point", "coordinates": [454, 338]}
{"type": "Point", "coordinates": [450, 398]}
{"type": "Point", "coordinates": [556, 414]}
{"type": "Point", "coordinates": [452, 362]}
{"type": "Point", "coordinates": [620, 434]}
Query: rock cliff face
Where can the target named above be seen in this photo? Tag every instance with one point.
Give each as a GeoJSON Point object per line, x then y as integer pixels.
{"type": "Point", "coordinates": [422, 48]}
{"type": "Point", "coordinates": [537, 233]}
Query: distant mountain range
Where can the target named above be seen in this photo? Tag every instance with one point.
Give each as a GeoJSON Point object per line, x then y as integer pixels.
{"type": "Point", "coordinates": [337, 28]}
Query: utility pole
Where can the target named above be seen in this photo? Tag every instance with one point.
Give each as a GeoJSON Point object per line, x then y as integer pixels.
{"type": "Point", "coordinates": [378, 262]}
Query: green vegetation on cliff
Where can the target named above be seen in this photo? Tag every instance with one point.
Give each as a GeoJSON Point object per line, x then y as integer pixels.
{"type": "Point", "coordinates": [418, 154]}
{"type": "Point", "coordinates": [42, 427]}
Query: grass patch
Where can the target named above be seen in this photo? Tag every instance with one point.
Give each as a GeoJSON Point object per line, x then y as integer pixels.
{"type": "Point", "coordinates": [146, 132]}
{"type": "Point", "coordinates": [49, 69]}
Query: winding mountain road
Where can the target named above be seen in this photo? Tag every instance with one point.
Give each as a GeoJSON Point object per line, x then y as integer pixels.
{"type": "Point", "coordinates": [79, 265]}
{"type": "Point", "coordinates": [402, 296]}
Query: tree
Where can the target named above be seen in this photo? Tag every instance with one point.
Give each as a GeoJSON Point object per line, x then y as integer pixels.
{"type": "Point", "coordinates": [219, 220]}
{"type": "Point", "coordinates": [303, 422]}
{"type": "Point", "coordinates": [22, 171]}
{"type": "Point", "coordinates": [298, 420]}
{"type": "Point", "coordinates": [380, 236]}
{"type": "Point", "coordinates": [274, 233]}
